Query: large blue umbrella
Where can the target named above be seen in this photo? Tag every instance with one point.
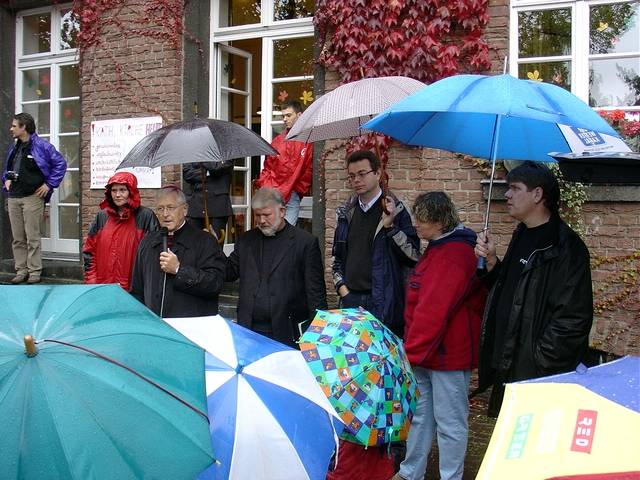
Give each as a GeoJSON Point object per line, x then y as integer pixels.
{"type": "Point", "coordinates": [494, 117]}
{"type": "Point", "coordinates": [70, 408]}
{"type": "Point", "coordinates": [269, 418]}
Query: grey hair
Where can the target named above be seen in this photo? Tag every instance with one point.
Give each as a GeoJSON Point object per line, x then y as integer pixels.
{"type": "Point", "coordinates": [169, 189]}
{"type": "Point", "coordinates": [436, 207]}
{"type": "Point", "coordinates": [266, 196]}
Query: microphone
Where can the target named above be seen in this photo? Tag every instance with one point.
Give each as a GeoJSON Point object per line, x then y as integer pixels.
{"type": "Point", "coordinates": [164, 232]}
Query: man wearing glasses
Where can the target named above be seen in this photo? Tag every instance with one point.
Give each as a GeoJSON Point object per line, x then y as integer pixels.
{"type": "Point", "coordinates": [371, 247]}
{"type": "Point", "coordinates": [179, 270]}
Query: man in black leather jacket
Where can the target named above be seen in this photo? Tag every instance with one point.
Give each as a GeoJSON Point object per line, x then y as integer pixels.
{"type": "Point", "coordinates": [540, 308]}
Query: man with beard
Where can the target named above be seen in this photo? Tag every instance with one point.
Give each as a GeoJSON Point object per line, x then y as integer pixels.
{"type": "Point", "coordinates": [280, 270]}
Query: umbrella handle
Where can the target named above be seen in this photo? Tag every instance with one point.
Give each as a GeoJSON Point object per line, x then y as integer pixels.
{"type": "Point", "coordinates": [203, 178]}
{"type": "Point", "coordinates": [384, 184]}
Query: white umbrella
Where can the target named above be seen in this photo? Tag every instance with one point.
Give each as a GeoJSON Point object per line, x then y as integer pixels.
{"type": "Point", "coordinates": [342, 112]}
{"type": "Point", "coordinates": [268, 417]}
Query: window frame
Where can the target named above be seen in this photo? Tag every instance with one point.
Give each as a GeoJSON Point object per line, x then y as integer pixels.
{"type": "Point", "coordinates": [54, 59]}
{"type": "Point", "coordinates": [580, 56]}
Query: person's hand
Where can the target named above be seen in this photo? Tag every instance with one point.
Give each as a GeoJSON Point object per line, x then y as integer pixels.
{"type": "Point", "coordinates": [387, 218]}
{"type": "Point", "coordinates": [343, 291]}
{"type": "Point", "coordinates": [42, 190]}
{"type": "Point", "coordinates": [487, 249]}
{"type": "Point", "coordinates": [169, 262]}
{"type": "Point", "coordinates": [7, 185]}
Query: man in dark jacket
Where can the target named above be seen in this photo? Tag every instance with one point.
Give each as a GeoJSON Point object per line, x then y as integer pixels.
{"type": "Point", "coordinates": [371, 247]}
{"type": "Point", "coordinates": [185, 278]}
{"type": "Point", "coordinates": [216, 179]}
{"type": "Point", "coordinates": [32, 170]}
{"type": "Point", "coordinates": [540, 309]}
{"type": "Point", "coordinates": [280, 271]}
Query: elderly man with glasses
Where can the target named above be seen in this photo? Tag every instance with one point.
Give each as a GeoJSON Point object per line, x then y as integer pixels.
{"type": "Point", "coordinates": [371, 247]}
{"type": "Point", "coordinates": [179, 270]}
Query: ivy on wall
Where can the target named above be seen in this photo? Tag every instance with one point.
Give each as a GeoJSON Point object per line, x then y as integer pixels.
{"type": "Point", "coordinates": [422, 39]}
{"type": "Point", "coordinates": [160, 21]}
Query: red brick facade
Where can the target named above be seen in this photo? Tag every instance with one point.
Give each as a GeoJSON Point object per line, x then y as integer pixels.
{"type": "Point", "coordinates": [150, 83]}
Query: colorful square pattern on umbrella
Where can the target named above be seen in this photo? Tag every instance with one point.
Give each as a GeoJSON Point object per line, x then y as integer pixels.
{"type": "Point", "coordinates": [363, 370]}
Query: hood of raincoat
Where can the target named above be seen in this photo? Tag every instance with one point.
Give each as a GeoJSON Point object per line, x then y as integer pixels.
{"type": "Point", "coordinates": [123, 178]}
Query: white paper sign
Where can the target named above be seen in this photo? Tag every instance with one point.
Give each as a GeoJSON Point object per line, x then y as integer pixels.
{"type": "Point", "coordinates": [582, 140]}
{"type": "Point", "coordinates": [111, 140]}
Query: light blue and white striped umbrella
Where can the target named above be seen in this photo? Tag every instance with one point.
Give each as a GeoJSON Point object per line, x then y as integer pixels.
{"type": "Point", "coordinates": [268, 416]}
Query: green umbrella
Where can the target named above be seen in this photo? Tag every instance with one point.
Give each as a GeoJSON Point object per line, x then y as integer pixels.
{"type": "Point", "coordinates": [363, 370]}
{"type": "Point", "coordinates": [108, 390]}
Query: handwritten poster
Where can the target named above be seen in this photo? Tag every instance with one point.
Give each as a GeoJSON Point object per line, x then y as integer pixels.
{"type": "Point", "coordinates": [111, 140]}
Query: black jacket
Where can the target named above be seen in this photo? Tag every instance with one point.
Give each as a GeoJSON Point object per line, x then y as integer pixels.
{"type": "Point", "coordinates": [551, 315]}
{"type": "Point", "coordinates": [193, 292]}
{"type": "Point", "coordinates": [217, 183]}
{"type": "Point", "coordinates": [296, 281]}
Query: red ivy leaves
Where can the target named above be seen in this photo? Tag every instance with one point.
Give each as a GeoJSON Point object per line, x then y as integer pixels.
{"type": "Point", "coordinates": [423, 39]}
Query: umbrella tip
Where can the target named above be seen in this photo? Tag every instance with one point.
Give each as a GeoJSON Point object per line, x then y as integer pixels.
{"type": "Point", "coordinates": [30, 346]}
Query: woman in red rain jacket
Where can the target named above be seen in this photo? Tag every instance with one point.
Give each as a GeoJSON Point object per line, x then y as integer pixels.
{"type": "Point", "coordinates": [110, 247]}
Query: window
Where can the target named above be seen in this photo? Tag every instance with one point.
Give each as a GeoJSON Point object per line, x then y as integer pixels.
{"type": "Point", "coordinates": [47, 87]}
{"type": "Point", "coordinates": [590, 48]}
{"type": "Point", "coordinates": [262, 55]}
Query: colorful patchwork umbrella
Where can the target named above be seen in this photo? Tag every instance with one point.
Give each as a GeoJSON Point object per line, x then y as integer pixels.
{"type": "Point", "coordinates": [364, 372]}
{"type": "Point", "coordinates": [269, 420]}
{"type": "Point", "coordinates": [579, 426]}
{"type": "Point", "coordinates": [107, 390]}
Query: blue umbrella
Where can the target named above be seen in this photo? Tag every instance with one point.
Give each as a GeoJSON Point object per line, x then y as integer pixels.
{"type": "Point", "coordinates": [494, 117]}
{"type": "Point", "coordinates": [107, 390]}
{"type": "Point", "coordinates": [269, 418]}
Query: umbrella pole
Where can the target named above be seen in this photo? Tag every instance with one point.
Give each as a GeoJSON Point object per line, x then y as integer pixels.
{"type": "Point", "coordinates": [30, 346]}
{"type": "Point", "coordinates": [494, 153]}
{"type": "Point", "coordinates": [203, 174]}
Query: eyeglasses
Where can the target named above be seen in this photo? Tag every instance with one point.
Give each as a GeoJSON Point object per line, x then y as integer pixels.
{"type": "Point", "coordinates": [359, 175]}
{"type": "Point", "coordinates": [168, 209]}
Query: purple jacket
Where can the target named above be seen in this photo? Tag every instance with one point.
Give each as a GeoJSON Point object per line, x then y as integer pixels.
{"type": "Point", "coordinates": [50, 162]}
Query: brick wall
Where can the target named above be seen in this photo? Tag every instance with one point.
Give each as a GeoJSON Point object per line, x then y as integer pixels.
{"type": "Point", "coordinates": [151, 85]}
{"type": "Point", "coordinates": [613, 229]}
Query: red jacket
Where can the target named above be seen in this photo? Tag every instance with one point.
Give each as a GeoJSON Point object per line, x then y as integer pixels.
{"type": "Point", "coordinates": [291, 170]}
{"type": "Point", "coordinates": [444, 305]}
{"type": "Point", "coordinates": [112, 242]}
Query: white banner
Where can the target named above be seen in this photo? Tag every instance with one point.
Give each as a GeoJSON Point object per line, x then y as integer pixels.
{"type": "Point", "coordinates": [111, 140]}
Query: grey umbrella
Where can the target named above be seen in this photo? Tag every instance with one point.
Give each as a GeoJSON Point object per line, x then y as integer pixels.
{"type": "Point", "coordinates": [196, 140]}
{"type": "Point", "coordinates": [341, 112]}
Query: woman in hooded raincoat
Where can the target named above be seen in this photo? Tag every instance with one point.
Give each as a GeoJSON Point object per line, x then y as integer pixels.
{"type": "Point", "coordinates": [109, 250]}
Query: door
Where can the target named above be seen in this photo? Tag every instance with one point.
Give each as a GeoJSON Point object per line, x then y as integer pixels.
{"type": "Point", "coordinates": [233, 103]}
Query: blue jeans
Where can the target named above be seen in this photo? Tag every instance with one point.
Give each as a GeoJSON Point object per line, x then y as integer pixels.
{"type": "Point", "coordinates": [442, 409]}
{"type": "Point", "coordinates": [293, 208]}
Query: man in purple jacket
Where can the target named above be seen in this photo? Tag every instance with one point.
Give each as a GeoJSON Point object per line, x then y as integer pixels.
{"type": "Point", "coordinates": [32, 170]}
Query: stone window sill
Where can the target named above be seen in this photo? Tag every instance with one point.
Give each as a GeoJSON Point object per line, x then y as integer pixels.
{"type": "Point", "coordinates": [595, 193]}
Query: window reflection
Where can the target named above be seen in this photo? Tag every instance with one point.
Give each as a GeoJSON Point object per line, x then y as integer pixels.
{"type": "Point", "coordinates": [70, 26]}
{"type": "Point", "coordinates": [69, 222]}
{"type": "Point", "coordinates": [70, 150]}
{"type": "Point", "coordinates": [41, 114]}
{"type": "Point", "coordinates": [36, 84]}
{"type": "Point", "coordinates": [293, 57]}
{"type": "Point", "coordinates": [292, 9]}
{"type": "Point", "coordinates": [233, 13]}
{"type": "Point", "coordinates": [69, 116]}
{"type": "Point", "coordinates": [614, 28]}
{"type": "Point", "coordinates": [558, 73]}
{"type": "Point", "coordinates": [36, 34]}
{"type": "Point", "coordinates": [614, 82]}
{"type": "Point", "coordinates": [543, 33]}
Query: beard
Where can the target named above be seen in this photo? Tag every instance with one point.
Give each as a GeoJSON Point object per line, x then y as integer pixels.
{"type": "Point", "coordinates": [268, 231]}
